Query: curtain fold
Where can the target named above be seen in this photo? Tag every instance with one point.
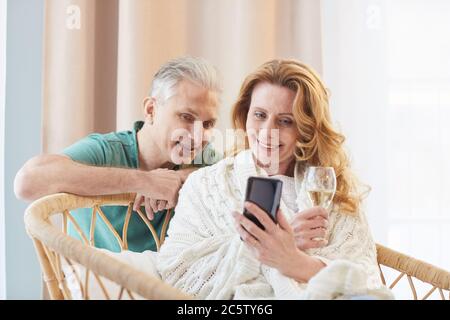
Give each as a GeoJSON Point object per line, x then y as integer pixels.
{"type": "Point", "coordinates": [80, 68]}
{"type": "Point", "coordinates": [97, 72]}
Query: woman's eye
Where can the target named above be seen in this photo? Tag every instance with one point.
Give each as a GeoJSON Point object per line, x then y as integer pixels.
{"type": "Point", "coordinates": [285, 122]}
{"type": "Point", "coordinates": [260, 115]}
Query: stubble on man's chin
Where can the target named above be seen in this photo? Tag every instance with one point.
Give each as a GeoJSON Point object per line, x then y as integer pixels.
{"type": "Point", "coordinates": [178, 158]}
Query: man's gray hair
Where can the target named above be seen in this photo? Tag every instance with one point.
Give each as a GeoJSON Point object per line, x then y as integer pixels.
{"type": "Point", "coordinates": [197, 70]}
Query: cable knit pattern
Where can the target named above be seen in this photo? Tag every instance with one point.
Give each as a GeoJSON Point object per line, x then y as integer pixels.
{"type": "Point", "coordinates": [204, 256]}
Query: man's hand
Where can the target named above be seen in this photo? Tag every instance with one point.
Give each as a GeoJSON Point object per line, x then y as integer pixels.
{"type": "Point", "coordinates": [167, 184]}
{"type": "Point", "coordinates": [151, 205]}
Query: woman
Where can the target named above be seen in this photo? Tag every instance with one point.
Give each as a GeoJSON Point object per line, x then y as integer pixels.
{"type": "Point", "coordinates": [283, 108]}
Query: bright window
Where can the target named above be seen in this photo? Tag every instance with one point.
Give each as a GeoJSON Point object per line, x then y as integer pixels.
{"type": "Point", "coordinates": [387, 64]}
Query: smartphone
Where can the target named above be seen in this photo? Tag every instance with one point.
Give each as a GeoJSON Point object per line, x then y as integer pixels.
{"type": "Point", "coordinates": [265, 193]}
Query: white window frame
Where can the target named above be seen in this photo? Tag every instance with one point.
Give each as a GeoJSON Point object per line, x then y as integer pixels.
{"type": "Point", "coordinates": [3, 10]}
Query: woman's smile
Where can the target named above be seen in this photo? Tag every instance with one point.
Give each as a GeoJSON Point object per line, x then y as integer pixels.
{"type": "Point", "coordinates": [269, 146]}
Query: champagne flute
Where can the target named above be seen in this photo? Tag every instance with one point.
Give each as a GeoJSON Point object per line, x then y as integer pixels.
{"type": "Point", "coordinates": [320, 184]}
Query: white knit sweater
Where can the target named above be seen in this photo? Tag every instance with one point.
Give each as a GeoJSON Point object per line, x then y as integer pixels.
{"type": "Point", "coordinates": [204, 256]}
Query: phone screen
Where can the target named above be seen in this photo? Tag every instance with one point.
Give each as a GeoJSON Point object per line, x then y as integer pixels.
{"type": "Point", "coordinates": [266, 193]}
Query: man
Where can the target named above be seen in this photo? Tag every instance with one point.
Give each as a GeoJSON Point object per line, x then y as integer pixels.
{"type": "Point", "coordinates": [179, 115]}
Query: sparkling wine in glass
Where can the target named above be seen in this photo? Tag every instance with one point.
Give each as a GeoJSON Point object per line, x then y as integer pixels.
{"type": "Point", "coordinates": [321, 198]}
{"type": "Point", "coordinates": [320, 184]}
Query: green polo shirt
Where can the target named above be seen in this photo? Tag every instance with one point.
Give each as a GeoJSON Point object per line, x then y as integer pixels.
{"type": "Point", "coordinates": [120, 150]}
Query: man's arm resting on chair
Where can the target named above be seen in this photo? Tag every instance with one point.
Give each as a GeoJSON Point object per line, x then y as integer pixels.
{"type": "Point", "coordinates": [48, 174]}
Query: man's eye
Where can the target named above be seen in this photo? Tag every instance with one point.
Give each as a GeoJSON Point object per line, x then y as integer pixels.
{"type": "Point", "coordinates": [208, 124]}
{"type": "Point", "coordinates": [187, 117]}
{"type": "Point", "coordinates": [260, 115]}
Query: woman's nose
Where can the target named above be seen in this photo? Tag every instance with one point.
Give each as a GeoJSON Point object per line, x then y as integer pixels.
{"type": "Point", "coordinates": [269, 136]}
{"type": "Point", "coordinates": [269, 124]}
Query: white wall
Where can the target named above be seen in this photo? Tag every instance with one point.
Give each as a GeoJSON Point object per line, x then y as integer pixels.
{"type": "Point", "coordinates": [2, 131]}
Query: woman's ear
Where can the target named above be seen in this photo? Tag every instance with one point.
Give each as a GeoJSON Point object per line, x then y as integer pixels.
{"type": "Point", "coordinates": [149, 109]}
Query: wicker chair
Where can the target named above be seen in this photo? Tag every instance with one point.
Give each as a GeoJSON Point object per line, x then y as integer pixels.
{"type": "Point", "coordinates": [56, 249]}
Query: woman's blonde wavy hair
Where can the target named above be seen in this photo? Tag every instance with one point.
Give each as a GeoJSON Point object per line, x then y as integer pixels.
{"type": "Point", "coordinates": [319, 144]}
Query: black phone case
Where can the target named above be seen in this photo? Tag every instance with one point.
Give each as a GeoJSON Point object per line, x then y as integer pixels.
{"type": "Point", "coordinates": [265, 193]}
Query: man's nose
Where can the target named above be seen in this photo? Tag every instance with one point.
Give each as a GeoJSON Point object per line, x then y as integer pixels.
{"type": "Point", "coordinates": [198, 133]}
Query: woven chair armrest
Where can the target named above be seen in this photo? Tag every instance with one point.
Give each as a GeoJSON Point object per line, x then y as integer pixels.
{"type": "Point", "coordinates": [39, 227]}
{"type": "Point", "coordinates": [416, 268]}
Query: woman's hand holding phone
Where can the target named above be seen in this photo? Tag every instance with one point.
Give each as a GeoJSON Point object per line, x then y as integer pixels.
{"type": "Point", "coordinates": [275, 245]}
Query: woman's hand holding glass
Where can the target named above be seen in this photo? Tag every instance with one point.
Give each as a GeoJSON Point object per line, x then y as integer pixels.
{"type": "Point", "coordinates": [310, 228]}
{"type": "Point", "coordinates": [311, 225]}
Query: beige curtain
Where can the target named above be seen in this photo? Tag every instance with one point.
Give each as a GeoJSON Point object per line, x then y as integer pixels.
{"type": "Point", "coordinates": [100, 55]}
